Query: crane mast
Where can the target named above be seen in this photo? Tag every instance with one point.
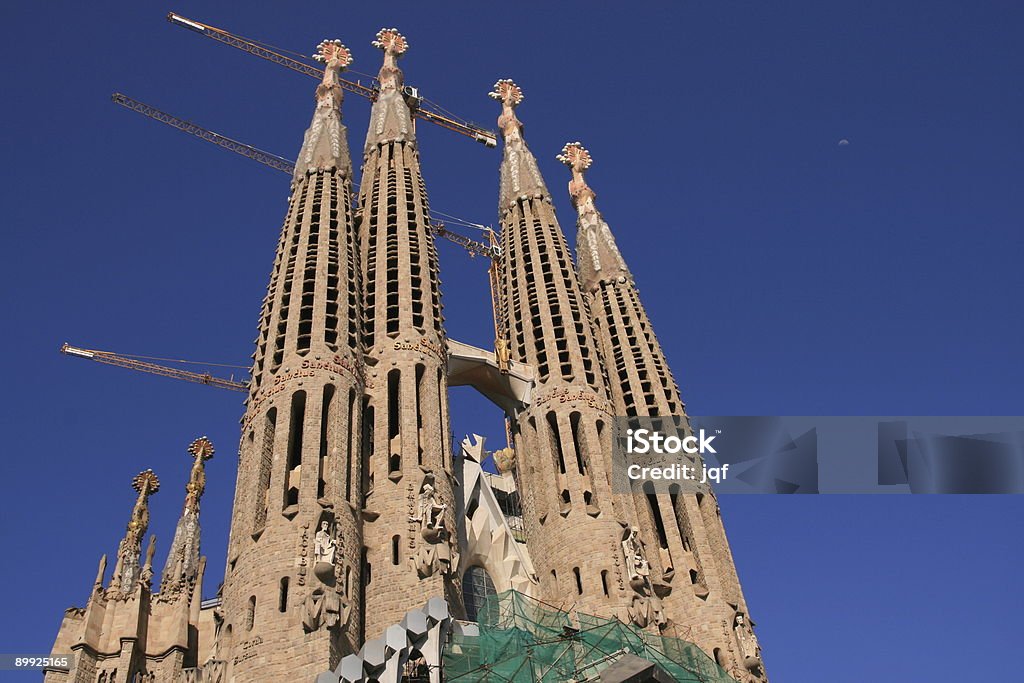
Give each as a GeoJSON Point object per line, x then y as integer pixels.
{"type": "Point", "coordinates": [486, 137]}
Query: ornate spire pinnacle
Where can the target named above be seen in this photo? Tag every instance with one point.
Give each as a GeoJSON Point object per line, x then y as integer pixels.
{"type": "Point", "coordinates": [325, 144]}
{"type": "Point", "coordinates": [201, 450]}
{"type": "Point", "coordinates": [126, 572]}
{"type": "Point", "coordinates": [181, 568]}
{"type": "Point", "coordinates": [394, 46]}
{"type": "Point", "coordinates": [335, 57]}
{"type": "Point", "coordinates": [390, 118]}
{"type": "Point", "coordinates": [597, 256]}
{"type": "Point", "coordinates": [511, 96]}
{"type": "Point", "coordinates": [520, 176]}
{"type": "Point", "coordinates": [577, 158]}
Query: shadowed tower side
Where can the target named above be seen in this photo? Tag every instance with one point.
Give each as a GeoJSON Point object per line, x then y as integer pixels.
{"type": "Point", "coordinates": [562, 440]}
{"type": "Point", "coordinates": [693, 559]}
{"type": "Point", "coordinates": [409, 539]}
{"type": "Point", "coordinates": [293, 572]}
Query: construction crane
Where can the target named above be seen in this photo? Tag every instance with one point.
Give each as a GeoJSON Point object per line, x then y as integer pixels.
{"type": "Point", "coordinates": [266, 158]}
{"type": "Point", "coordinates": [417, 103]}
{"type": "Point", "coordinates": [135, 363]}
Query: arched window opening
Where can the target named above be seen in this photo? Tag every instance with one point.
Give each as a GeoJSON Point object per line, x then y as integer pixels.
{"type": "Point", "coordinates": [476, 588]}
{"type": "Point", "coordinates": [579, 580]}
{"type": "Point", "coordinates": [395, 542]}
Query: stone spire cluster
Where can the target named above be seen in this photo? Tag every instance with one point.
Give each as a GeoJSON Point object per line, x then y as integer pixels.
{"type": "Point", "coordinates": [126, 633]}
{"type": "Point", "coordinates": [356, 536]}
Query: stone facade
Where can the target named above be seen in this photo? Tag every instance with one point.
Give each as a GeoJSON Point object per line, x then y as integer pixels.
{"type": "Point", "coordinates": [353, 524]}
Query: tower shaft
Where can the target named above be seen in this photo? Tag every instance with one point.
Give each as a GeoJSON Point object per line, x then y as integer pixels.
{"type": "Point", "coordinates": [294, 556]}
{"type": "Point", "coordinates": [410, 518]}
{"type": "Point", "coordinates": [562, 439]}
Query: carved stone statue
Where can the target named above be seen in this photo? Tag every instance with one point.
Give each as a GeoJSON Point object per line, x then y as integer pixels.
{"type": "Point", "coordinates": [635, 554]}
{"type": "Point", "coordinates": [324, 545]}
{"type": "Point", "coordinates": [502, 355]}
{"type": "Point", "coordinates": [324, 607]}
{"type": "Point", "coordinates": [645, 607]}
{"type": "Point", "coordinates": [436, 553]}
{"type": "Point", "coordinates": [750, 649]}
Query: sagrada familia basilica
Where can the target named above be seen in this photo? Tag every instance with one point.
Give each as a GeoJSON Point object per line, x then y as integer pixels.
{"type": "Point", "coordinates": [362, 548]}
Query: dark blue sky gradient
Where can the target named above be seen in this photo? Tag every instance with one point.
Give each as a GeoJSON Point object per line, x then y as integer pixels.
{"type": "Point", "coordinates": [784, 273]}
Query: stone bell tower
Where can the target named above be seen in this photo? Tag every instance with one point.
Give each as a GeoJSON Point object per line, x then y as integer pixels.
{"type": "Point", "coordinates": [410, 514]}
{"type": "Point", "coordinates": [290, 595]}
{"type": "Point", "coordinates": [573, 522]}
{"type": "Point", "coordinates": [688, 555]}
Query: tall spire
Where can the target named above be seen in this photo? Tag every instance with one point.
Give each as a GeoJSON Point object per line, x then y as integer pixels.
{"type": "Point", "coordinates": [182, 564]}
{"type": "Point", "coordinates": [390, 118]}
{"type": "Point", "coordinates": [520, 176]}
{"type": "Point", "coordinates": [408, 436]}
{"type": "Point", "coordinates": [597, 256]}
{"type": "Point", "coordinates": [127, 570]}
{"type": "Point", "coordinates": [325, 145]}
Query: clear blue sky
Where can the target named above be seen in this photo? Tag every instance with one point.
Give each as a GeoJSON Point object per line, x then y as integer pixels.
{"type": "Point", "coordinates": [785, 274]}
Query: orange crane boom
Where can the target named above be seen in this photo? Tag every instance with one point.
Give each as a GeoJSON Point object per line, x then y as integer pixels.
{"type": "Point", "coordinates": [482, 135]}
{"type": "Point", "coordinates": [111, 358]}
{"type": "Point", "coordinates": [266, 158]}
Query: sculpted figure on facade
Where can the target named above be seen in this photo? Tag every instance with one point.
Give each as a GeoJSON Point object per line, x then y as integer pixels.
{"type": "Point", "coordinates": [749, 648]}
{"type": "Point", "coordinates": [645, 607]}
{"type": "Point", "coordinates": [324, 544]}
{"type": "Point", "coordinates": [436, 553]}
{"type": "Point", "coordinates": [324, 607]}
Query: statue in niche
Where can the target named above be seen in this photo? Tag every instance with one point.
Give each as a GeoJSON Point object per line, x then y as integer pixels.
{"type": "Point", "coordinates": [645, 607]}
{"type": "Point", "coordinates": [436, 553]}
{"type": "Point", "coordinates": [750, 649]}
{"type": "Point", "coordinates": [635, 555]}
{"type": "Point", "coordinates": [325, 551]}
{"type": "Point", "coordinates": [324, 544]}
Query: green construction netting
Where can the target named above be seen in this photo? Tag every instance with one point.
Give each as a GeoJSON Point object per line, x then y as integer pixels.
{"type": "Point", "coordinates": [522, 639]}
